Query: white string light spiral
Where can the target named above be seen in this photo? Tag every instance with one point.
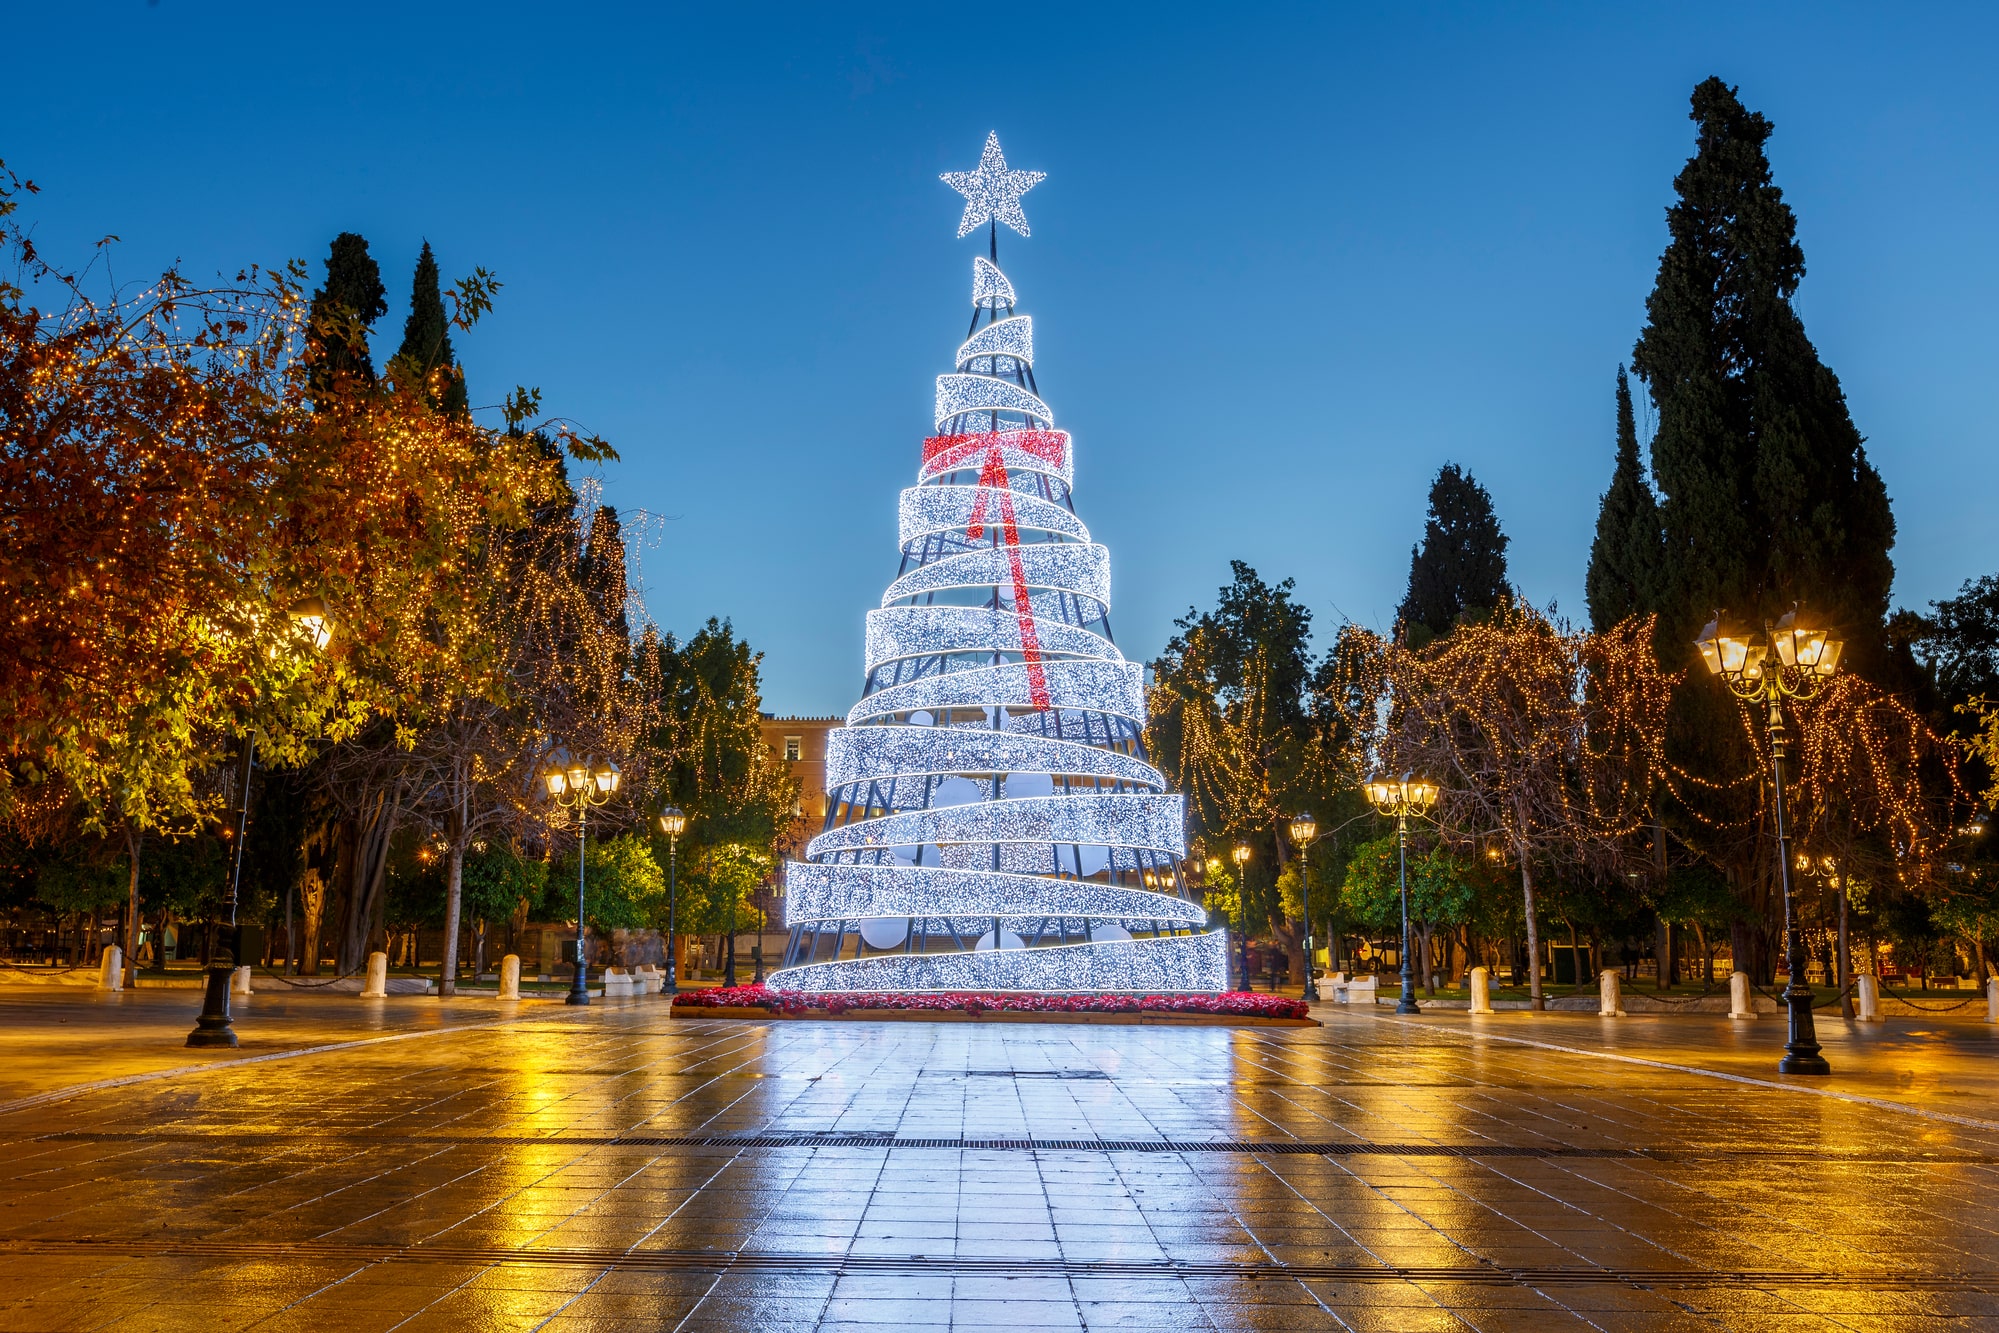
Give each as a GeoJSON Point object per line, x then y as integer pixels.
{"type": "Point", "coordinates": [993, 823]}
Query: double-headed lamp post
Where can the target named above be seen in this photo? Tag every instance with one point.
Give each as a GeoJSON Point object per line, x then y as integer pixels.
{"type": "Point", "coordinates": [577, 783]}
{"type": "Point", "coordinates": [1241, 856]}
{"type": "Point", "coordinates": [672, 823]}
{"type": "Point", "coordinates": [313, 624]}
{"type": "Point", "coordinates": [1304, 832]}
{"type": "Point", "coordinates": [1402, 797]}
{"type": "Point", "coordinates": [1805, 659]}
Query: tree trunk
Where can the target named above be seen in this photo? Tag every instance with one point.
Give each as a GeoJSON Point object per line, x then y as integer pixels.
{"type": "Point", "coordinates": [368, 870]}
{"type": "Point", "coordinates": [454, 882]}
{"type": "Point", "coordinates": [312, 899]}
{"type": "Point", "coordinates": [1537, 1000]}
{"type": "Point", "coordinates": [133, 839]}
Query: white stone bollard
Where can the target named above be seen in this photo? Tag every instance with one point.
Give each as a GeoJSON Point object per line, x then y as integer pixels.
{"type": "Point", "coordinates": [1868, 991]}
{"type": "Point", "coordinates": [1992, 999]}
{"type": "Point", "coordinates": [510, 977]}
{"type": "Point", "coordinates": [378, 977]}
{"type": "Point", "coordinates": [111, 969]}
{"type": "Point", "coordinates": [239, 981]}
{"type": "Point", "coordinates": [1738, 996]}
{"type": "Point", "coordinates": [1610, 1002]}
{"type": "Point", "coordinates": [1481, 991]}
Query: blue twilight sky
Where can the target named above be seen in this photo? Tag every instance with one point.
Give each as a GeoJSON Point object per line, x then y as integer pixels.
{"type": "Point", "coordinates": [1288, 259]}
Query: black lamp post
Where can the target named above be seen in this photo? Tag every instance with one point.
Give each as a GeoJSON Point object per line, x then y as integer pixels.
{"type": "Point", "coordinates": [1402, 797]}
{"type": "Point", "coordinates": [577, 784]}
{"type": "Point", "coordinates": [1241, 855]}
{"type": "Point", "coordinates": [1304, 832]}
{"type": "Point", "coordinates": [672, 823]}
{"type": "Point", "coordinates": [314, 625]}
{"type": "Point", "coordinates": [1805, 660]}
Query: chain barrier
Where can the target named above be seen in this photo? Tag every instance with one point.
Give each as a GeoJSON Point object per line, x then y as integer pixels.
{"type": "Point", "coordinates": [1976, 998]}
{"type": "Point", "coordinates": [1851, 987]}
{"type": "Point", "coordinates": [296, 984]}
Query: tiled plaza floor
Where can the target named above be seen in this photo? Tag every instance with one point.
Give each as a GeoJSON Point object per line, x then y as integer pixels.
{"type": "Point", "coordinates": [615, 1168]}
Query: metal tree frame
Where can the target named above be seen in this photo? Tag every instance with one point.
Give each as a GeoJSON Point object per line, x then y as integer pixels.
{"type": "Point", "coordinates": [959, 706]}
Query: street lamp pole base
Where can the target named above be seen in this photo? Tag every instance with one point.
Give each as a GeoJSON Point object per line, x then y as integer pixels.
{"type": "Point", "coordinates": [1408, 1006]}
{"type": "Point", "coordinates": [1801, 1052]}
{"type": "Point", "coordinates": [579, 989]}
{"type": "Point", "coordinates": [213, 1028]}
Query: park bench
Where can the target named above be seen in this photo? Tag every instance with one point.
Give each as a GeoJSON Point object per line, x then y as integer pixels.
{"type": "Point", "coordinates": [1346, 990]}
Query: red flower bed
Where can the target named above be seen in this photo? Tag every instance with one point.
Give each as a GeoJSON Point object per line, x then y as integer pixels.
{"type": "Point", "coordinates": [1242, 1004]}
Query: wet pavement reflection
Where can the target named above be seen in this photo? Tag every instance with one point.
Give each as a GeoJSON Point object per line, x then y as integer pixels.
{"type": "Point", "coordinates": [616, 1168]}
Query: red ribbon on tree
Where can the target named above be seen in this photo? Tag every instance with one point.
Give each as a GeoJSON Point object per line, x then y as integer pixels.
{"type": "Point", "coordinates": [943, 451]}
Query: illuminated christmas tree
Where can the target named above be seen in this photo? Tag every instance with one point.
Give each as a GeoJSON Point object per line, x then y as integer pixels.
{"type": "Point", "coordinates": [992, 822]}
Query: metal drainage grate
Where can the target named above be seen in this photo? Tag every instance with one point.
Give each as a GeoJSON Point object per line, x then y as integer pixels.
{"type": "Point", "coordinates": [723, 1261]}
{"type": "Point", "coordinates": [307, 1137]}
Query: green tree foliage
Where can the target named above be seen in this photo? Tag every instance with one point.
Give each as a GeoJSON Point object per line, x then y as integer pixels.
{"type": "Point", "coordinates": [1624, 558]}
{"type": "Point", "coordinates": [1441, 886]}
{"type": "Point", "coordinates": [498, 879]}
{"type": "Point", "coordinates": [1228, 715]}
{"type": "Point", "coordinates": [717, 889]}
{"type": "Point", "coordinates": [81, 883]}
{"type": "Point", "coordinates": [1958, 642]}
{"type": "Point", "coordinates": [1768, 496]}
{"type": "Point", "coordinates": [703, 729]}
{"type": "Point", "coordinates": [344, 308]}
{"type": "Point", "coordinates": [624, 887]}
{"type": "Point", "coordinates": [426, 349]}
{"type": "Point", "coordinates": [1458, 573]}
{"type": "Point", "coordinates": [601, 570]}
{"type": "Point", "coordinates": [1221, 896]}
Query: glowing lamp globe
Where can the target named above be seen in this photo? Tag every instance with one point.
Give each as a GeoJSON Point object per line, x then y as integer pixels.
{"type": "Point", "coordinates": [555, 772]}
{"type": "Point", "coordinates": [311, 615]}
{"type": "Point", "coordinates": [672, 822]}
{"type": "Point", "coordinates": [1805, 647]}
{"type": "Point", "coordinates": [1304, 828]}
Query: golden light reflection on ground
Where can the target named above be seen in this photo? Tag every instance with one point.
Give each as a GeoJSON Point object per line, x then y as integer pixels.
{"type": "Point", "coordinates": [616, 1168]}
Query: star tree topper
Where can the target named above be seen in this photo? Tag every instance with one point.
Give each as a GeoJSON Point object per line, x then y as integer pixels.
{"type": "Point", "coordinates": [992, 191]}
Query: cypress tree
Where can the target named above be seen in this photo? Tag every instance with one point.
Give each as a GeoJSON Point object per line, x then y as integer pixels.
{"type": "Point", "coordinates": [1459, 571]}
{"type": "Point", "coordinates": [427, 337]}
{"type": "Point", "coordinates": [1768, 496]}
{"type": "Point", "coordinates": [343, 309]}
{"type": "Point", "coordinates": [1624, 558]}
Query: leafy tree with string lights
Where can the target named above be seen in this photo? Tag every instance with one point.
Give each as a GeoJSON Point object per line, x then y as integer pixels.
{"type": "Point", "coordinates": [1228, 719]}
{"type": "Point", "coordinates": [1543, 738]}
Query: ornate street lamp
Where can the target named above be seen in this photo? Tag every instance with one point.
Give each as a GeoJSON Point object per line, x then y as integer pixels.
{"type": "Point", "coordinates": [1304, 832]}
{"type": "Point", "coordinates": [1806, 657]}
{"type": "Point", "coordinates": [314, 626]}
{"type": "Point", "coordinates": [672, 823]}
{"type": "Point", "coordinates": [576, 783]}
{"type": "Point", "coordinates": [1402, 797]}
{"type": "Point", "coordinates": [1241, 856]}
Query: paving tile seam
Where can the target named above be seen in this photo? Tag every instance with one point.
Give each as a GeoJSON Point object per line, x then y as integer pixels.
{"type": "Point", "coordinates": [1881, 1103]}
{"type": "Point", "coordinates": [705, 1261]}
